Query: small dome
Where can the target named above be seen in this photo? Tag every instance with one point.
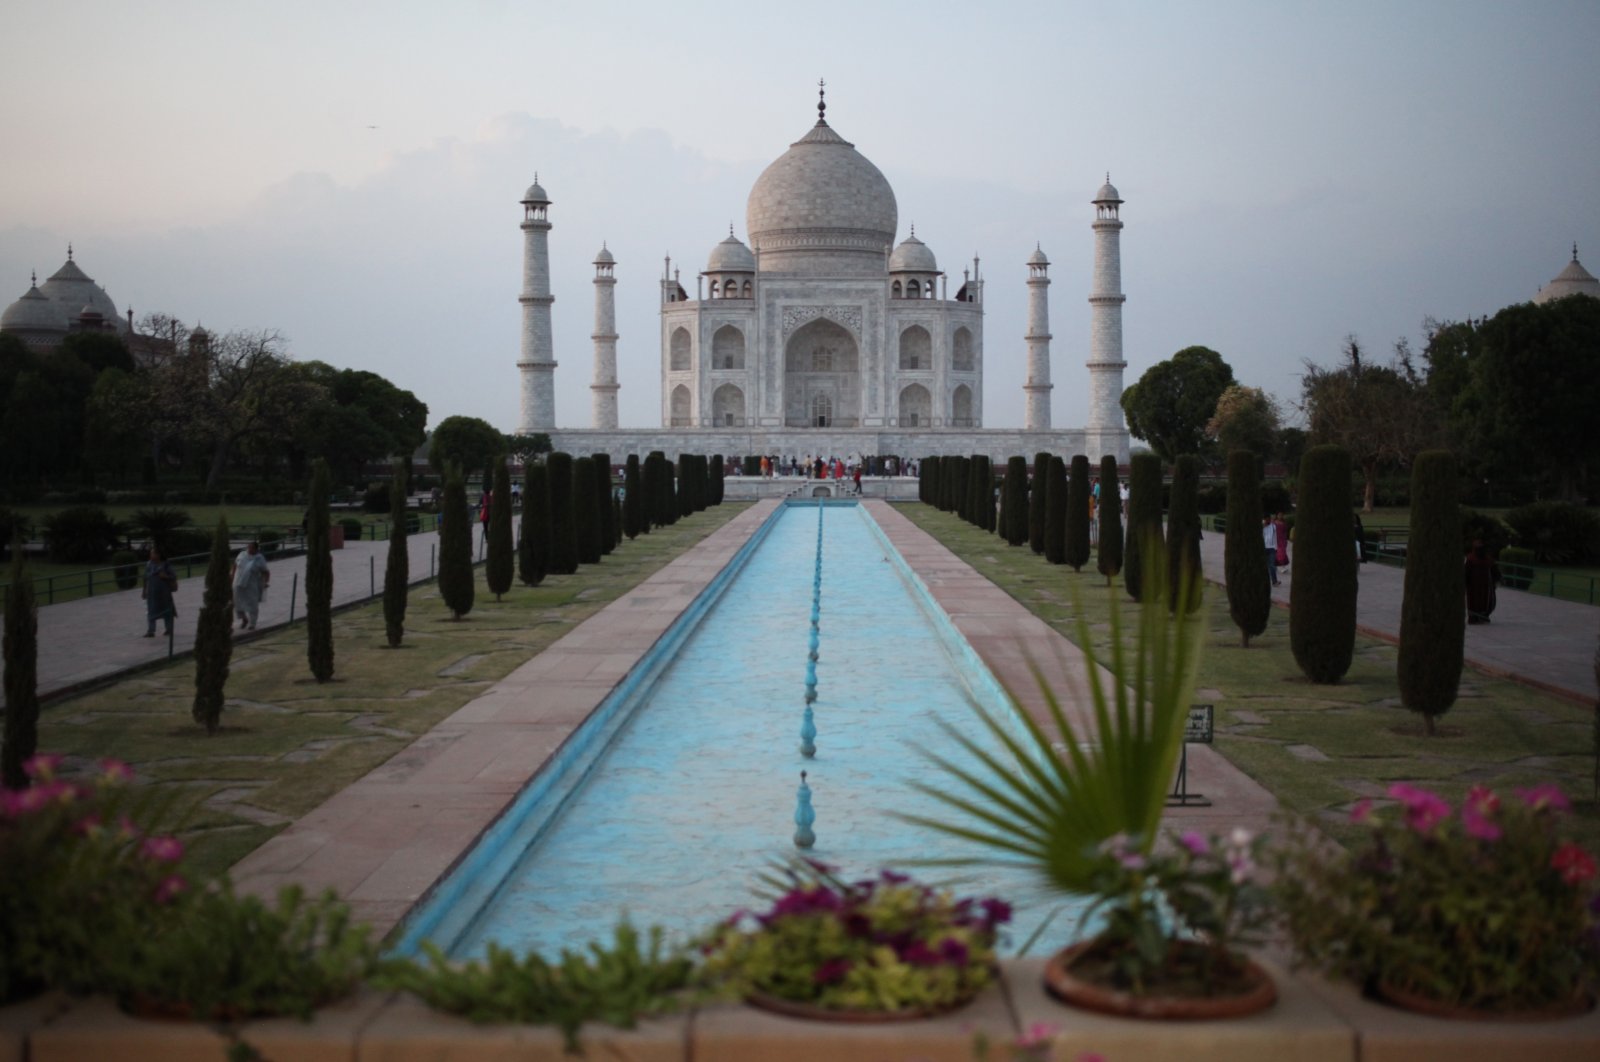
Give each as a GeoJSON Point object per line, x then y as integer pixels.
{"type": "Point", "coordinates": [1108, 193]}
{"type": "Point", "coordinates": [535, 193]}
{"type": "Point", "coordinates": [1573, 280]}
{"type": "Point", "coordinates": [912, 256]}
{"type": "Point", "coordinates": [731, 256]}
{"type": "Point", "coordinates": [604, 257]}
{"type": "Point", "coordinates": [71, 289]}
{"type": "Point", "coordinates": [32, 313]}
{"type": "Point", "coordinates": [199, 333]}
{"type": "Point", "coordinates": [1037, 258]}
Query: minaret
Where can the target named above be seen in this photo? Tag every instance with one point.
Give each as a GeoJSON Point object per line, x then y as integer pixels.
{"type": "Point", "coordinates": [604, 389]}
{"type": "Point", "coordinates": [1038, 385]}
{"type": "Point", "coordinates": [538, 361]}
{"type": "Point", "coordinates": [1105, 428]}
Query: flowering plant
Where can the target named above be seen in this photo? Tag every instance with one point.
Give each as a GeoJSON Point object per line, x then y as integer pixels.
{"type": "Point", "coordinates": [879, 944]}
{"type": "Point", "coordinates": [1479, 907]}
{"type": "Point", "coordinates": [81, 869]}
{"type": "Point", "coordinates": [1175, 917]}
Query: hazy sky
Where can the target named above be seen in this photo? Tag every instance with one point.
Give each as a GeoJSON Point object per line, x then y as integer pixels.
{"type": "Point", "coordinates": [349, 173]}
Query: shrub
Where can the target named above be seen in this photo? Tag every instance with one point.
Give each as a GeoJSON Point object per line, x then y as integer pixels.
{"type": "Point", "coordinates": [1055, 512]}
{"type": "Point", "coordinates": [533, 552]}
{"type": "Point", "coordinates": [1322, 595]}
{"type": "Point", "coordinates": [1185, 573]}
{"type": "Point", "coordinates": [352, 528]}
{"type": "Point", "coordinates": [1432, 622]}
{"type": "Point", "coordinates": [162, 527]}
{"type": "Point", "coordinates": [685, 494]}
{"type": "Point", "coordinates": [319, 577]}
{"type": "Point", "coordinates": [609, 532]}
{"type": "Point", "coordinates": [1244, 549]}
{"type": "Point", "coordinates": [634, 523]}
{"type": "Point", "coordinates": [502, 558]}
{"type": "Point", "coordinates": [1109, 560]}
{"type": "Point", "coordinates": [127, 568]}
{"type": "Point", "coordinates": [1014, 513]}
{"type": "Point", "coordinates": [1036, 502]}
{"type": "Point", "coordinates": [1144, 522]}
{"type": "Point", "coordinates": [213, 638]}
{"type": "Point", "coordinates": [1557, 532]}
{"type": "Point", "coordinates": [563, 535]}
{"type": "Point", "coordinates": [187, 542]}
{"type": "Point", "coordinates": [376, 499]}
{"type": "Point", "coordinates": [1513, 558]}
{"type": "Point", "coordinates": [455, 547]}
{"type": "Point", "coordinates": [987, 518]}
{"type": "Point", "coordinates": [1077, 545]}
{"type": "Point", "coordinates": [397, 566]}
{"type": "Point", "coordinates": [81, 535]}
{"type": "Point", "coordinates": [585, 511]}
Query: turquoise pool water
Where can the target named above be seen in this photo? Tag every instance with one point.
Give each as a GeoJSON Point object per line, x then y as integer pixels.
{"type": "Point", "coordinates": [692, 792]}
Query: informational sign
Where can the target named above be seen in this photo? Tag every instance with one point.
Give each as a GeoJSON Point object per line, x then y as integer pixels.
{"type": "Point", "coordinates": [1198, 729]}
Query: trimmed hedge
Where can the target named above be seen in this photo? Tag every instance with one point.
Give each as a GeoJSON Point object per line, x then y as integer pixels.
{"type": "Point", "coordinates": [498, 571]}
{"type": "Point", "coordinates": [1055, 512]}
{"type": "Point", "coordinates": [563, 533]}
{"type": "Point", "coordinates": [1077, 546]}
{"type": "Point", "coordinates": [633, 522]}
{"type": "Point", "coordinates": [1036, 502]}
{"type": "Point", "coordinates": [1144, 522]}
{"type": "Point", "coordinates": [1432, 619]}
{"type": "Point", "coordinates": [1109, 551]}
{"type": "Point", "coordinates": [1014, 513]}
{"type": "Point", "coordinates": [1244, 549]}
{"type": "Point", "coordinates": [533, 552]}
{"type": "Point", "coordinates": [586, 527]}
{"type": "Point", "coordinates": [1322, 595]}
{"type": "Point", "coordinates": [1185, 572]}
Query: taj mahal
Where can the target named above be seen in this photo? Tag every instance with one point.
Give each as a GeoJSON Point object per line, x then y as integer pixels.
{"type": "Point", "coordinates": [822, 335]}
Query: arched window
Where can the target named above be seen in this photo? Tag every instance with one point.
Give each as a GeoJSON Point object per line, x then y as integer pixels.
{"type": "Point", "coordinates": [822, 358]}
{"type": "Point", "coordinates": [913, 290]}
{"type": "Point", "coordinates": [916, 349]}
{"type": "Point", "coordinates": [727, 348]}
{"type": "Point", "coordinates": [916, 407]}
{"type": "Point", "coordinates": [713, 289]}
{"type": "Point", "coordinates": [821, 410]}
{"type": "Point", "coordinates": [680, 351]}
{"type": "Point", "coordinates": [680, 406]}
{"type": "Point", "coordinates": [727, 407]}
{"type": "Point", "coordinates": [961, 351]}
{"type": "Point", "coordinates": [746, 292]}
{"type": "Point", "coordinates": [961, 407]}
{"type": "Point", "coordinates": [896, 291]}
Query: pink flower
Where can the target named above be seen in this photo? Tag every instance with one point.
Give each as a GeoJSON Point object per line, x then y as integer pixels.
{"type": "Point", "coordinates": [1424, 810]}
{"type": "Point", "coordinates": [1037, 1035]}
{"type": "Point", "coordinates": [89, 826]}
{"type": "Point", "coordinates": [41, 766]}
{"type": "Point", "coordinates": [1545, 795]}
{"type": "Point", "coordinates": [831, 972]}
{"type": "Point", "coordinates": [162, 849]}
{"type": "Point", "coordinates": [1361, 812]}
{"type": "Point", "coordinates": [1482, 799]}
{"type": "Point", "coordinates": [1194, 842]}
{"type": "Point", "coordinates": [1576, 865]}
{"type": "Point", "coordinates": [115, 771]}
{"type": "Point", "coordinates": [1478, 825]}
{"type": "Point", "coordinates": [169, 887]}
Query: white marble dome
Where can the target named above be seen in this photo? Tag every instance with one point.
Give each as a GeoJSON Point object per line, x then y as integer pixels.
{"type": "Point", "coordinates": [731, 256]}
{"type": "Point", "coordinates": [32, 313]}
{"type": "Point", "coordinates": [1108, 193]}
{"type": "Point", "coordinates": [1037, 258]}
{"type": "Point", "coordinates": [535, 193]}
{"type": "Point", "coordinates": [822, 207]}
{"type": "Point", "coordinates": [1573, 280]}
{"type": "Point", "coordinates": [71, 290]}
{"type": "Point", "coordinates": [913, 256]}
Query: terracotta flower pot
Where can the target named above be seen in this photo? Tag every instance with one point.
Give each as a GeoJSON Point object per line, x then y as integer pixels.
{"type": "Point", "coordinates": [1258, 994]}
{"type": "Point", "coordinates": [1419, 1004]}
{"type": "Point", "coordinates": [791, 1008]}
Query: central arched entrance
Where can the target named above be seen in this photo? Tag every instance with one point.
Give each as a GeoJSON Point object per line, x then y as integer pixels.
{"type": "Point", "coordinates": [822, 377]}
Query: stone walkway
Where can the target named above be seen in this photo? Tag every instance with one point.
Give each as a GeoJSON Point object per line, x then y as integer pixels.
{"type": "Point", "coordinates": [1536, 640]}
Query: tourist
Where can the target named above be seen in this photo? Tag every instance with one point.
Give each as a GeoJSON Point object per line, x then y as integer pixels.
{"type": "Point", "coordinates": [1282, 526]}
{"type": "Point", "coordinates": [160, 582]}
{"type": "Point", "coordinates": [250, 579]}
{"type": "Point", "coordinates": [1269, 538]}
{"type": "Point", "coordinates": [1483, 575]}
{"type": "Point", "coordinates": [483, 513]}
{"type": "Point", "coordinates": [858, 479]}
{"type": "Point", "coordinates": [1361, 539]}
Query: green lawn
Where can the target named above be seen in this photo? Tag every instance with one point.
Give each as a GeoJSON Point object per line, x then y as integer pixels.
{"type": "Point", "coordinates": [1321, 748]}
{"type": "Point", "coordinates": [287, 743]}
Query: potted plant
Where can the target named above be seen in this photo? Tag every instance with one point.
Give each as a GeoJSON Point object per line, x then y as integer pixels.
{"type": "Point", "coordinates": [1084, 809]}
{"type": "Point", "coordinates": [878, 949]}
{"type": "Point", "coordinates": [1477, 911]}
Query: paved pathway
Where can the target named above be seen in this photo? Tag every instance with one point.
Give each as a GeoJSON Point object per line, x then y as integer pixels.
{"type": "Point", "coordinates": [1537, 640]}
{"type": "Point", "coordinates": [97, 637]}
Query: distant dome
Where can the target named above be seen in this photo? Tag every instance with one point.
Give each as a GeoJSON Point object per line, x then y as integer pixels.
{"type": "Point", "coordinates": [71, 290]}
{"type": "Point", "coordinates": [535, 194]}
{"type": "Point", "coordinates": [32, 313]}
{"type": "Point", "coordinates": [1037, 258]}
{"type": "Point", "coordinates": [912, 256]}
{"type": "Point", "coordinates": [731, 256]}
{"type": "Point", "coordinates": [822, 207]}
{"type": "Point", "coordinates": [604, 257]}
{"type": "Point", "coordinates": [1573, 280]}
{"type": "Point", "coordinates": [1108, 193]}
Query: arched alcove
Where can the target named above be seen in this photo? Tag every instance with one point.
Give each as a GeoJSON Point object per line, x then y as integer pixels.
{"type": "Point", "coordinates": [727, 348]}
{"type": "Point", "coordinates": [727, 407]}
{"type": "Point", "coordinates": [961, 351]}
{"type": "Point", "coordinates": [916, 349]}
{"type": "Point", "coordinates": [680, 350]}
{"type": "Point", "coordinates": [821, 361]}
{"type": "Point", "coordinates": [916, 407]}
{"type": "Point", "coordinates": [961, 407]}
{"type": "Point", "coordinates": [680, 406]}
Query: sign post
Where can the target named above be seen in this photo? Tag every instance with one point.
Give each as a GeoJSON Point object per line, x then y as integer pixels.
{"type": "Point", "coordinates": [1197, 730]}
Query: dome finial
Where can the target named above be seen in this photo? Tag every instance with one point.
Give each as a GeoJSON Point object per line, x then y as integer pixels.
{"type": "Point", "coordinates": [33, 278]}
{"type": "Point", "coordinates": [822, 103]}
{"type": "Point", "coordinates": [1574, 250]}
{"type": "Point", "coordinates": [730, 230]}
{"type": "Point", "coordinates": [69, 251]}
{"type": "Point", "coordinates": [913, 230]}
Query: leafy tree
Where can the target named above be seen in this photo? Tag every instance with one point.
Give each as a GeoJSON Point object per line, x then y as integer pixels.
{"type": "Point", "coordinates": [1322, 595]}
{"type": "Point", "coordinates": [1144, 522]}
{"type": "Point", "coordinates": [533, 552]}
{"type": "Point", "coordinates": [455, 547]}
{"type": "Point", "coordinates": [1244, 560]}
{"type": "Point", "coordinates": [634, 522]}
{"type": "Point", "coordinates": [1246, 418]}
{"type": "Point", "coordinates": [361, 418]}
{"type": "Point", "coordinates": [1381, 414]}
{"type": "Point", "coordinates": [319, 577]}
{"type": "Point", "coordinates": [1015, 512]}
{"type": "Point", "coordinates": [1171, 404]}
{"type": "Point", "coordinates": [1109, 560]}
{"type": "Point", "coordinates": [527, 447]}
{"type": "Point", "coordinates": [1077, 544]}
{"type": "Point", "coordinates": [397, 568]}
{"type": "Point", "coordinates": [213, 636]}
{"type": "Point", "coordinates": [1185, 574]}
{"type": "Point", "coordinates": [1432, 621]}
{"type": "Point", "coordinates": [502, 557]}
{"type": "Point", "coordinates": [98, 351]}
{"type": "Point", "coordinates": [563, 532]}
{"type": "Point", "coordinates": [21, 653]}
{"type": "Point", "coordinates": [114, 430]}
{"type": "Point", "coordinates": [1036, 502]}
{"type": "Point", "coordinates": [585, 511]}
{"type": "Point", "coordinates": [609, 534]}
{"type": "Point", "coordinates": [1056, 499]}
{"type": "Point", "coordinates": [468, 442]}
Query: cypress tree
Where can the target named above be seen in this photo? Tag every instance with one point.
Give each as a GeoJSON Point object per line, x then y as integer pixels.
{"type": "Point", "coordinates": [1185, 574]}
{"type": "Point", "coordinates": [1244, 550]}
{"type": "Point", "coordinates": [533, 552]}
{"type": "Point", "coordinates": [1036, 502]}
{"type": "Point", "coordinates": [1109, 559]}
{"type": "Point", "coordinates": [21, 652]}
{"type": "Point", "coordinates": [1015, 523]}
{"type": "Point", "coordinates": [928, 481]}
{"type": "Point", "coordinates": [609, 533]}
{"type": "Point", "coordinates": [563, 533]}
{"type": "Point", "coordinates": [397, 568]}
{"type": "Point", "coordinates": [502, 558]}
{"type": "Point", "coordinates": [1322, 595]}
{"type": "Point", "coordinates": [213, 635]}
{"type": "Point", "coordinates": [1432, 621]}
{"type": "Point", "coordinates": [455, 547]}
{"type": "Point", "coordinates": [1077, 545]}
{"type": "Point", "coordinates": [585, 511]}
{"type": "Point", "coordinates": [991, 518]}
{"type": "Point", "coordinates": [682, 499]}
{"type": "Point", "coordinates": [1055, 511]}
{"type": "Point", "coordinates": [632, 503]}
{"type": "Point", "coordinates": [975, 486]}
{"type": "Point", "coordinates": [319, 578]}
{"type": "Point", "coordinates": [1144, 523]}
{"type": "Point", "coordinates": [718, 472]}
